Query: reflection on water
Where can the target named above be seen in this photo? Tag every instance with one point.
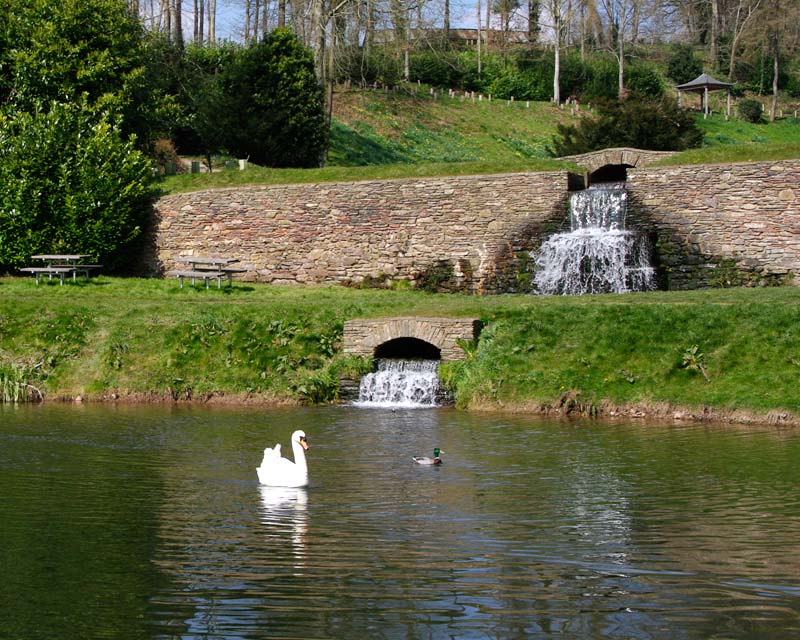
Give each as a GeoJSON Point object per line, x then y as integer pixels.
{"type": "Point", "coordinates": [284, 513]}
{"type": "Point", "coordinates": [149, 523]}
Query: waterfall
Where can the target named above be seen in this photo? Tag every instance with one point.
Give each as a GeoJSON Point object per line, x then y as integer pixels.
{"type": "Point", "coordinates": [598, 255]}
{"type": "Point", "coordinates": [401, 383]}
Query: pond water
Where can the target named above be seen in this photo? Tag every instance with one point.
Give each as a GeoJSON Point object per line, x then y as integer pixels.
{"type": "Point", "coordinates": [148, 522]}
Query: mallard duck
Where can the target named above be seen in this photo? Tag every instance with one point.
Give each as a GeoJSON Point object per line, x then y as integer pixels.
{"type": "Point", "coordinates": [426, 460]}
{"type": "Point", "coordinates": [276, 471]}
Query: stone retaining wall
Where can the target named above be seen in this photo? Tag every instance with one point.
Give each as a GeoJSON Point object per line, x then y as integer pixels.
{"type": "Point", "coordinates": [720, 225]}
{"type": "Point", "coordinates": [463, 232]}
{"type": "Point", "coordinates": [710, 225]}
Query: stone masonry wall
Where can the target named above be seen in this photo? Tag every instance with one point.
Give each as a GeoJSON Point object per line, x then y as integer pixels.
{"type": "Point", "coordinates": [718, 225]}
{"type": "Point", "coordinates": [464, 232]}
{"type": "Point", "coordinates": [709, 225]}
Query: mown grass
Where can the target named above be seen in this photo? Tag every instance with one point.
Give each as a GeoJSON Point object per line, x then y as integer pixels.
{"type": "Point", "coordinates": [379, 136]}
{"type": "Point", "coordinates": [255, 175]}
{"type": "Point", "coordinates": [149, 338]}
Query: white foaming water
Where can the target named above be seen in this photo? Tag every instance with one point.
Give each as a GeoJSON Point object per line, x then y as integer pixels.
{"type": "Point", "coordinates": [401, 383]}
{"type": "Point", "coordinates": [598, 255]}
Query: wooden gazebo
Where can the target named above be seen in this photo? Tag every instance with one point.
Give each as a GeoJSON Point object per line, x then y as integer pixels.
{"type": "Point", "coordinates": [703, 84]}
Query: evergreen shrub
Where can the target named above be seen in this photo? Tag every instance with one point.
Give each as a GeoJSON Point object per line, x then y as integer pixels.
{"type": "Point", "coordinates": [658, 125]}
{"type": "Point", "coordinates": [682, 65]}
{"type": "Point", "coordinates": [750, 110]}
{"type": "Point", "coordinates": [69, 183]}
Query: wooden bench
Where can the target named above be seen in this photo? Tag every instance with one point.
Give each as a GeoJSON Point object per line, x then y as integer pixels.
{"type": "Point", "coordinates": [205, 276]}
{"type": "Point", "coordinates": [50, 271]}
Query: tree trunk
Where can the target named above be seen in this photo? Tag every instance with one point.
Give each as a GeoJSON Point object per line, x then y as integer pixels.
{"type": "Point", "coordinates": [176, 26]}
{"type": "Point", "coordinates": [446, 27]}
{"type": "Point", "coordinates": [621, 74]}
{"type": "Point", "coordinates": [480, 35]}
{"type": "Point", "coordinates": [212, 22]}
{"type": "Point", "coordinates": [556, 52]}
{"type": "Point", "coordinates": [773, 109]}
{"type": "Point", "coordinates": [714, 33]}
{"type": "Point", "coordinates": [247, 9]}
{"type": "Point", "coordinates": [533, 21]}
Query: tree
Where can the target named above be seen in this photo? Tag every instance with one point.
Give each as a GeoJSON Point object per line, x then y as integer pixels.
{"type": "Point", "coordinates": [74, 91]}
{"type": "Point", "coordinates": [69, 182]}
{"type": "Point", "coordinates": [659, 125]}
{"type": "Point", "coordinates": [66, 49]}
{"type": "Point", "coordinates": [273, 104]}
{"type": "Point", "coordinates": [560, 15]}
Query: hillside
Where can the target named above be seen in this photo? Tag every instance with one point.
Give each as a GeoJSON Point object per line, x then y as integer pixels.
{"type": "Point", "coordinates": [375, 127]}
{"type": "Point", "coordinates": [380, 135]}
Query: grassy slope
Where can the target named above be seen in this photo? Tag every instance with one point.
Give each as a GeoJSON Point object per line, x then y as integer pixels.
{"type": "Point", "coordinates": [376, 135]}
{"type": "Point", "coordinates": [149, 337]}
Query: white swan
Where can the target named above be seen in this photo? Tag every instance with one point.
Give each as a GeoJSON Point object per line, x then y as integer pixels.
{"type": "Point", "coordinates": [280, 472]}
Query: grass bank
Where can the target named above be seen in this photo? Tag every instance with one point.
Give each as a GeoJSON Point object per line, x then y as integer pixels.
{"type": "Point", "coordinates": [715, 351]}
{"type": "Point", "coordinates": [379, 136]}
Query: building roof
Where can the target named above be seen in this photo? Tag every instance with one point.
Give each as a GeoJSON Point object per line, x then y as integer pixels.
{"type": "Point", "coordinates": [703, 82]}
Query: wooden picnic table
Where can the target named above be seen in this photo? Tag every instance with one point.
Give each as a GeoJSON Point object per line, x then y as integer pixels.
{"type": "Point", "coordinates": [61, 265]}
{"type": "Point", "coordinates": [206, 268]}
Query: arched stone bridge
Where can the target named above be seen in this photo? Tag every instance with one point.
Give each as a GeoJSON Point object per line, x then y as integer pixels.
{"type": "Point", "coordinates": [410, 337]}
{"type": "Point", "coordinates": [625, 156]}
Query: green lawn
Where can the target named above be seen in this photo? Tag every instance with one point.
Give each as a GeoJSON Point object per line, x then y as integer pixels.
{"type": "Point", "coordinates": [378, 136]}
{"type": "Point", "coordinates": [149, 338]}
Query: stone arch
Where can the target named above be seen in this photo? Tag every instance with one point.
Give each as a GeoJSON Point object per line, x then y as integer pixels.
{"type": "Point", "coordinates": [408, 348]}
{"type": "Point", "coordinates": [386, 337]}
{"type": "Point", "coordinates": [625, 156]}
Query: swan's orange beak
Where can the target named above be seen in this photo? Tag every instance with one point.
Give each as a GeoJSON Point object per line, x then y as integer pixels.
{"type": "Point", "coordinates": [304, 443]}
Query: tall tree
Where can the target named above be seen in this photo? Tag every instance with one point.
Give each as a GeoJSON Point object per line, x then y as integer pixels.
{"type": "Point", "coordinates": [176, 22]}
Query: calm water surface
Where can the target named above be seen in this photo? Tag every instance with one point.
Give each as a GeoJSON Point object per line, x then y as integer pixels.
{"type": "Point", "coordinates": [148, 522]}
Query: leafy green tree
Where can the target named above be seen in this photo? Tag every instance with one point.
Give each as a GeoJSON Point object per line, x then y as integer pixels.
{"type": "Point", "coordinates": [60, 50]}
{"type": "Point", "coordinates": [659, 125]}
{"type": "Point", "coordinates": [77, 97]}
{"type": "Point", "coordinates": [69, 182]}
{"type": "Point", "coordinates": [273, 104]}
{"type": "Point", "coordinates": [682, 65]}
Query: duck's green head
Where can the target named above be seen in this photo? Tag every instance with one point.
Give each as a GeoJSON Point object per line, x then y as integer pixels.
{"type": "Point", "coordinates": [436, 452]}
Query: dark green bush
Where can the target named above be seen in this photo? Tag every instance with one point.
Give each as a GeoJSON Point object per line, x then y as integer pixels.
{"type": "Point", "coordinates": [376, 67]}
{"type": "Point", "coordinates": [642, 80]}
{"type": "Point", "coordinates": [682, 65]}
{"type": "Point", "coordinates": [69, 183]}
{"type": "Point", "coordinates": [645, 124]}
{"type": "Point", "coordinates": [793, 85]}
{"type": "Point", "coordinates": [520, 86]}
{"type": "Point", "coordinates": [272, 104]}
{"type": "Point", "coordinates": [750, 110]}
{"type": "Point", "coordinates": [602, 80]}
{"type": "Point", "coordinates": [435, 68]}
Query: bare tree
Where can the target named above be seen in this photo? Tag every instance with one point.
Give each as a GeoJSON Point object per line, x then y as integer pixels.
{"type": "Point", "coordinates": [560, 13]}
{"type": "Point", "coordinates": [212, 22]}
{"type": "Point", "coordinates": [744, 13]}
{"type": "Point", "coordinates": [176, 24]}
{"type": "Point", "coordinates": [619, 14]}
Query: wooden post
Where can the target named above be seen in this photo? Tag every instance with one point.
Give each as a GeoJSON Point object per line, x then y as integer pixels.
{"type": "Point", "coordinates": [705, 100]}
{"type": "Point", "coordinates": [728, 112]}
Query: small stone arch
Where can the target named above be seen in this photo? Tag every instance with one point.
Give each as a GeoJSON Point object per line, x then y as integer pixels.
{"type": "Point", "coordinates": [409, 337]}
{"type": "Point", "coordinates": [621, 158]}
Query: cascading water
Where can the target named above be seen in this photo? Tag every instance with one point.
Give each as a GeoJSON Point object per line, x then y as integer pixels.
{"type": "Point", "coordinates": [598, 255]}
{"type": "Point", "coordinates": [401, 383]}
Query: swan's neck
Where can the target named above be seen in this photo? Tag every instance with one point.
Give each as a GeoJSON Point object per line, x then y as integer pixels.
{"type": "Point", "coordinates": [299, 456]}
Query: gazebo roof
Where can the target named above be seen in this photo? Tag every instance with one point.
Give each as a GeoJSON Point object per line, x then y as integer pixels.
{"type": "Point", "coordinates": [703, 82]}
